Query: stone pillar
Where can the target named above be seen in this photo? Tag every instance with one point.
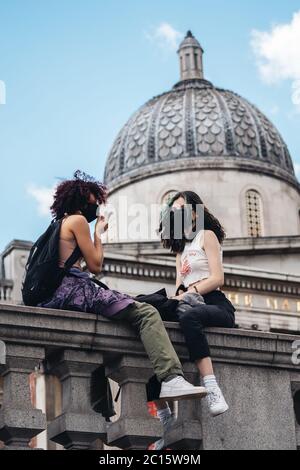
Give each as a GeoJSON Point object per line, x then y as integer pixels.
{"type": "Point", "coordinates": [78, 426]}
{"type": "Point", "coordinates": [19, 421]}
{"type": "Point", "coordinates": [187, 431]}
{"type": "Point", "coordinates": [135, 428]}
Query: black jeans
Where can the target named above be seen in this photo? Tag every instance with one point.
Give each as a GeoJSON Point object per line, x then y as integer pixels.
{"type": "Point", "coordinates": [217, 311]}
{"type": "Point", "coordinates": [195, 319]}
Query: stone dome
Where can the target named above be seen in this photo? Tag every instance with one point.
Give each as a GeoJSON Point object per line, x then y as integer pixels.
{"type": "Point", "coordinates": [196, 121]}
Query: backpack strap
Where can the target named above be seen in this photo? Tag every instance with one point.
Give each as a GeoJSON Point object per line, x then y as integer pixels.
{"type": "Point", "coordinates": [99, 283]}
{"type": "Point", "coordinates": [73, 258]}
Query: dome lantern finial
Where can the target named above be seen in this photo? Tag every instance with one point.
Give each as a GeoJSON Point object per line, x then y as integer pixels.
{"type": "Point", "coordinates": [190, 56]}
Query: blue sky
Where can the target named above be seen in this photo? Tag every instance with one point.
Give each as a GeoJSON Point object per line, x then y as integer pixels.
{"type": "Point", "coordinates": [75, 70]}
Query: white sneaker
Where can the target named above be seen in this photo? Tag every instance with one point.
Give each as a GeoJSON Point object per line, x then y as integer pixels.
{"type": "Point", "coordinates": [178, 389]}
{"type": "Point", "coordinates": [167, 424]}
{"type": "Point", "coordinates": [216, 401]}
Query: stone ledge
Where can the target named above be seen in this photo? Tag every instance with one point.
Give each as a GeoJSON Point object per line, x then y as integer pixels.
{"type": "Point", "coordinates": [54, 329]}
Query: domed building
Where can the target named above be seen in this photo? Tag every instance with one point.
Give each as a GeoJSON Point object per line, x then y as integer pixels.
{"type": "Point", "coordinates": [212, 141]}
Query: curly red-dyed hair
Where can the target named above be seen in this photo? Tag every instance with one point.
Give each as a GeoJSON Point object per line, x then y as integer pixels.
{"type": "Point", "coordinates": [73, 195]}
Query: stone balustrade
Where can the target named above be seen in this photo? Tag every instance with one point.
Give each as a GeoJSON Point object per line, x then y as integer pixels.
{"type": "Point", "coordinates": [256, 371]}
{"type": "Point", "coordinates": [6, 287]}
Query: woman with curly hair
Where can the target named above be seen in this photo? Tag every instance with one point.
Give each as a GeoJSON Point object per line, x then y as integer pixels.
{"type": "Point", "coordinates": [76, 202]}
{"type": "Point", "coordinates": [199, 278]}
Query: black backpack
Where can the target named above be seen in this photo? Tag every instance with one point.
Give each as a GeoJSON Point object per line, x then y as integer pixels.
{"type": "Point", "coordinates": [42, 274]}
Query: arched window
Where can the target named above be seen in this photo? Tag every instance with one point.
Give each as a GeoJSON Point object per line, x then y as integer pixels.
{"type": "Point", "coordinates": [254, 213]}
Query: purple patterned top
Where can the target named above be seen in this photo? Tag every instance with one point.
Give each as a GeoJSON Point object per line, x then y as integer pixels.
{"type": "Point", "coordinates": [78, 292]}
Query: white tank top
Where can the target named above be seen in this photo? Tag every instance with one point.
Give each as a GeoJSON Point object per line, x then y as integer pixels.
{"type": "Point", "coordinates": [194, 262]}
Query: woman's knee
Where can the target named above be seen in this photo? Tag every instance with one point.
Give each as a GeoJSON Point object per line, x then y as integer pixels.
{"type": "Point", "coordinates": [189, 317]}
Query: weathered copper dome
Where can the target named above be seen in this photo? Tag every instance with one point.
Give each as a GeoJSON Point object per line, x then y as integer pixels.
{"type": "Point", "coordinates": [196, 120]}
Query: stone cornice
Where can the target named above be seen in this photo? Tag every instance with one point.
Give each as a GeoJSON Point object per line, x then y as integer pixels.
{"type": "Point", "coordinates": [262, 245]}
{"type": "Point", "coordinates": [231, 246]}
{"type": "Point", "coordinates": [203, 163]}
{"type": "Point", "coordinates": [16, 244]}
{"type": "Point", "coordinates": [236, 277]}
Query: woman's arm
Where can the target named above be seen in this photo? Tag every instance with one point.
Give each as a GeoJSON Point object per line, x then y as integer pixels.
{"type": "Point", "coordinates": [178, 277]}
{"type": "Point", "coordinates": [92, 251]}
{"type": "Point", "coordinates": [178, 266]}
{"type": "Point", "coordinates": [211, 246]}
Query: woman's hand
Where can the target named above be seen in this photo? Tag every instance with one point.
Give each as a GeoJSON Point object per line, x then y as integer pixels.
{"type": "Point", "coordinates": [101, 225]}
{"type": "Point", "coordinates": [179, 297]}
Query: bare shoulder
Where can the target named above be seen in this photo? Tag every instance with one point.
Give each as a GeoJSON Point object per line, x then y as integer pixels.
{"type": "Point", "coordinates": [210, 234]}
{"type": "Point", "coordinates": [74, 223]}
{"type": "Point", "coordinates": [210, 238]}
{"type": "Point", "coordinates": [77, 219]}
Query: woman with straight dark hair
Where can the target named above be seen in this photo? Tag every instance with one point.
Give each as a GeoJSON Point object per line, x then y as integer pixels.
{"type": "Point", "coordinates": [76, 202]}
{"type": "Point", "coordinates": [199, 278]}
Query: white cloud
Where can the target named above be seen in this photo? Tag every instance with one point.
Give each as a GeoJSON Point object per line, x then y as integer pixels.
{"type": "Point", "coordinates": [278, 54]}
{"type": "Point", "coordinates": [296, 94]}
{"type": "Point", "coordinates": [165, 36]}
{"type": "Point", "coordinates": [43, 197]}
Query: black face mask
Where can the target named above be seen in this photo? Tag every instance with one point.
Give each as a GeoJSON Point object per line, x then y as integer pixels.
{"type": "Point", "coordinates": [90, 211]}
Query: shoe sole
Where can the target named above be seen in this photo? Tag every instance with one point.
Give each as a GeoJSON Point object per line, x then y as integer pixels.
{"type": "Point", "coordinates": [220, 412]}
{"type": "Point", "coordinates": [184, 397]}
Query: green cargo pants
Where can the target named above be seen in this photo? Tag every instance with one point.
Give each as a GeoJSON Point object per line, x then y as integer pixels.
{"type": "Point", "coordinates": [146, 319]}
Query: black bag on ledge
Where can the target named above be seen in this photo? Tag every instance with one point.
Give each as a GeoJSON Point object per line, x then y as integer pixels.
{"type": "Point", "coordinates": [42, 274]}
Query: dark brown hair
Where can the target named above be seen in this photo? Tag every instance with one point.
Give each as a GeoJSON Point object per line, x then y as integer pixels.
{"type": "Point", "coordinates": [73, 195]}
{"type": "Point", "coordinates": [210, 222]}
